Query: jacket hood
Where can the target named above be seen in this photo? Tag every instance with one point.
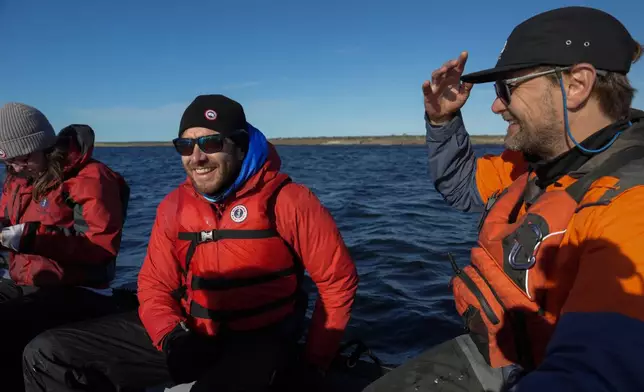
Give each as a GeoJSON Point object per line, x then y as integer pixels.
{"type": "Point", "coordinates": [78, 140]}
{"type": "Point", "coordinates": [267, 172]}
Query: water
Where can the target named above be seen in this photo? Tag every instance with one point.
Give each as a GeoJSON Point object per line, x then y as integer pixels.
{"type": "Point", "coordinates": [397, 227]}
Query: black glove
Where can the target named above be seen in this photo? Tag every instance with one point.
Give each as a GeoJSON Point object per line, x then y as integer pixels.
{"type": "Point", "coordinates": [188, 354]}
{"type": "Point", "coordinates": [302, 376]}
{"type": "Point", "coordinates": [314, 378]}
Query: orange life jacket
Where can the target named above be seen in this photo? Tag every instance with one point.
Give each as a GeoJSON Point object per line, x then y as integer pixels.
{"type": "Point", "coordinates": [237, 270]}
{"type": "Point", "coordinates": [501, 294]}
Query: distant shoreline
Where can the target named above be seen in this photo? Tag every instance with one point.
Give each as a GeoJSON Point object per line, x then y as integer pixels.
{"type": "Point", "coordinates": [330, 141]}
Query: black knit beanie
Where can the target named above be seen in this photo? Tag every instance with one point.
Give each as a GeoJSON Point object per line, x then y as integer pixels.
{"type": "Point", "coordinates": [219, 113]}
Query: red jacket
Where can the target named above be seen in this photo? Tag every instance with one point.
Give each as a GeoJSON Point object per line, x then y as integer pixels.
{"type": "Point", "coordinates": [73, 235]}
{"type": "Point", "coordinates": [301, 220]}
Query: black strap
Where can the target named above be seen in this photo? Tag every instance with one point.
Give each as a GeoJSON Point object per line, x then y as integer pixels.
{"type": "Point", "coordinates": [360, 350]}
{"type": "Point", "coordinates": [272, 217]}
{"type": "Point", "coordinates": [271, 203]}
{"type": "Point", "coordinates": [215, 235]}
{"type": "Point", "coordinates": [218, 284]}
{"type": "Point", "coordinates": [514, 213]}
{"type": "Point", "coordinates": [611, 165]}
{"type": "Point", "coordinates": [226, 316]}
{"type": "Point", "coordinates": [180, 293]}
{"type": "Point", "coordinates": [488, 206]}
{"type": "Point", "coordinates": [124, 197]}
{"type": "Point", "coordinates": [197, 238]}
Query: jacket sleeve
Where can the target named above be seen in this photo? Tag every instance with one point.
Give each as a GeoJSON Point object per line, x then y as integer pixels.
{"type": "Point", "coordinates": [308, 226]}
{"type": "Point", "coordinates": [159, 277]}
{"type": "Point", "coordinates": [4, 213]}
{"type": "Point", "coordinates": [599, 339]}
{"type": "Point", "coordinates": [4, 216]}
{"type": "Point", "coordinates": [465, 181]}
{"type": "Point", "coordinates": [99, 213]}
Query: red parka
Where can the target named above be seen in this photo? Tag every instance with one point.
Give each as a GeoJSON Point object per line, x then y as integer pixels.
{"type": "Point", "coordinates": [301, 221]}
{"type": "Point", "coordinates": [73, 235]}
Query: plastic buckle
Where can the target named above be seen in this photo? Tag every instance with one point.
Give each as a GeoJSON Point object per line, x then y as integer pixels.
{"type": "Point", "coordinates": [207, 236]}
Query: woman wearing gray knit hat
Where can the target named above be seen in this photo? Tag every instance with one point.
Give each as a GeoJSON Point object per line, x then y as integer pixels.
{"type": "Point", "coordinates": [62, 217]}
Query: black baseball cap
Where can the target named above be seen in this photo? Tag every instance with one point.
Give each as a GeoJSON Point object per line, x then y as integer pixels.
{"type": "Point", "coordinates": [564, 37]}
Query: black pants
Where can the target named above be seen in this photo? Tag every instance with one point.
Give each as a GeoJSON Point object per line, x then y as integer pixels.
{"type": "Point", "coordinates": [115, 353]}
{"type": "Point", "coordinates": [27, 311]}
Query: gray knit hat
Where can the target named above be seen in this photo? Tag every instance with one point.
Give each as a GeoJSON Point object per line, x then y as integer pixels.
{"type": "Point", "coordinates": [23, 130]}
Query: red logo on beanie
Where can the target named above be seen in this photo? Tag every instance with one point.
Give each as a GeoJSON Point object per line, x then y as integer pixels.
{"type": "Point", "coordinates": [210, 114]}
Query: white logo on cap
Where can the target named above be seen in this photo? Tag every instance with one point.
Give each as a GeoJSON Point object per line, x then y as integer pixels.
{"type": "Point", "coordinates": [2, 154]}
{"type": "Point", "coordinates": [210, 114]}
{"type": "Point", "coordinates": [238, 213]}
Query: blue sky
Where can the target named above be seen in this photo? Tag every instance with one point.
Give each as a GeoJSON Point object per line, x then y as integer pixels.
{"type": "Point", "coordinates": [300, 68]}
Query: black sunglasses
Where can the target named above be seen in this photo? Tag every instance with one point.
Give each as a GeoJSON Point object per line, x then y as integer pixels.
{"type": "Point", "coordinates": [503, 88]}
{"type": "Point", "coordinates": [209, 144]}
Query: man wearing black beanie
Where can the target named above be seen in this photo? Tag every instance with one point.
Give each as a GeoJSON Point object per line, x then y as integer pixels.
{"type": "Point", "coordinates": [218, 127]}
{"type": "Point", "coordinates": [218, 113]}
{"type": "Point", "coordinates": [220, 290]}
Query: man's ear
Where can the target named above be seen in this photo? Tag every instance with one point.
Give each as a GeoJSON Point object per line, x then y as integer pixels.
{"type": "Point", "coordinates": [579, 83]}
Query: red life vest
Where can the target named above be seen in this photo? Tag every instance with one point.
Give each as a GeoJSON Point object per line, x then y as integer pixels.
{"type": "Point", "coordinates": [511, 294]}
{"type": "Point", "coordinates": [237, 270]}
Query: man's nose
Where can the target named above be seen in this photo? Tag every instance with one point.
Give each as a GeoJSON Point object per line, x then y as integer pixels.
{"type": "Point", "coordinates": [498, 106]}
{"type": "Point", "coordinates": [198, 155]}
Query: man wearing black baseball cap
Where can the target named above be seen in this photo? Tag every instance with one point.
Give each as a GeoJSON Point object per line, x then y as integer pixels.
{"type": "Point", "coordinates": [222, 304]}
{"type": "Point", "coordinates": [553, 296]}
{"type": "Point", "coordinates": [563, 37]}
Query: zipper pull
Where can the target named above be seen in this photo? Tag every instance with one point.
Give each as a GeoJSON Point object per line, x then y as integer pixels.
{"type": "Point", "coordinates": [457, 270]}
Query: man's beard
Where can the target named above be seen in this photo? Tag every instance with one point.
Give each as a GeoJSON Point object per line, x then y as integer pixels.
{"type": "Point", "coordinates": [545, 142]}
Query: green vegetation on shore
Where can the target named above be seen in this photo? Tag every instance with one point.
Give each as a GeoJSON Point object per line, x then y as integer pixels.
{"type": "Point", "coordinates": [391, 140]}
